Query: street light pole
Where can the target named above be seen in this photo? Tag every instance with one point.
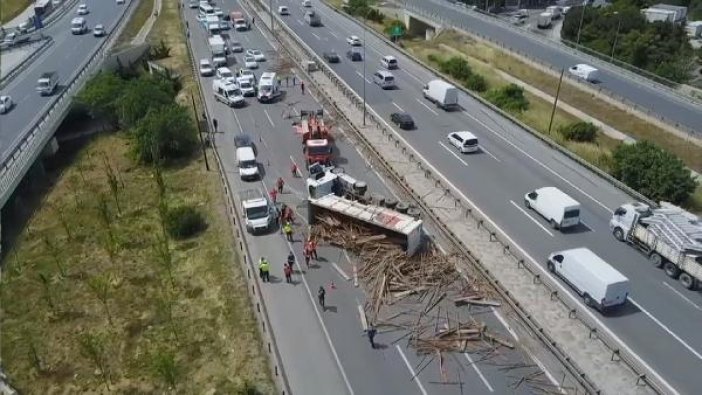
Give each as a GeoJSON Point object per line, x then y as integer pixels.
{"type": "Point", "coordinates": [270, 12]}
{"type": "Point", "coordinates": [616, 36]}
{"type": "Point", "coordinates": [582, 17]}
{"type": "Point", "coordinates": [364, 68]}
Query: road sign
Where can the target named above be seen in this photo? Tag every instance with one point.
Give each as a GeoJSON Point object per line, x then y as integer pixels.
{"type": "Point", "coordinates": [397, 31]}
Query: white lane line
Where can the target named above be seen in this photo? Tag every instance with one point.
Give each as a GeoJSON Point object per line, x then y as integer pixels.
{"type": "Point", "coordinates": [332, 33]}
{"type": "Point", "coordinates": [413, 76]}
{"type": "Point", "coordinates": [296, 166]}
{"type": "Point", "coordinates": [269, 117]}
{"type": "Point", "coordinates": [427, 107]}
{"type": "Point", "coordinates": [341, 271]}
{"type": "Point", "coordinates": [300, 22]}
{"type": "Point", "coordinates": [685, 298]}
{"type": "Point", "coordinates": [534, 220]}
{"type": "Point", "coordinates": [587, 226]}
{"type": "Point", "coordinates": [362, 317]}
{"type": "Point", "coordinates": [450, 151]}
{"type": "Point", "coordinates": [480, 374]}
{"type": "Point", "coordinates": [398, 107]}
{"type": "Point", "coordinates": [318, 38]}
{"type": "Point", "coordinates": [409, 367]}
{"type": "Point", "coordinates": [546, 372]}
{"type": "Point", "coordinates": [665, 328]}
{"type": "Point", "coordinates": [504, 323]}
{"type": "Point", "coordinates": [482, 148]}
{"type": "Point", "coordinates": [538, 162]}
{"type": "Point", "coordinates": [246, 38]}
{"type": "Point", "coordinates": [236, 118]}
{"type": "Point", "coordinates": [361, 75]}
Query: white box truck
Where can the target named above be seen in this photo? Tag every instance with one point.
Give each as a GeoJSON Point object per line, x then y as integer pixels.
{"type": "Point", "coordinates": [543, 21]}
{"type": "Point", "coordinates": [670, 236]}
{"type": "Point", "coordinates": [599, 284]}
{"type": "Point", "coordinates": [259, 213]}
{"type": "Point", "coordinates": [219, 51]}
{"type": "Point", "coordinates": [559, 209]}
{"type": "Point", "coordinates": [585, 71]}
{"type": "Point", "coordinates": [441, 93]}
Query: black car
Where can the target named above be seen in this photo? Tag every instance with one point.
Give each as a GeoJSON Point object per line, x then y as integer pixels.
{"type": "Point", "coordinates": [331, 57]}
{"type": "Point", "coordinates": [403, 120]}
{"type": "Point", "coordinates": [244, 140]}
{"type": "Point", "coordinates": [354, 55]}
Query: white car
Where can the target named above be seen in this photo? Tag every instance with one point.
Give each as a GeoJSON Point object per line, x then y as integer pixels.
{"type": "Point", "coordinates": [246, 87]}
{"type": "Point", "coordinates": [354, 41]}
{"type": "Point", "coordinates": [193, 4]}
{"type": "Point", "coordinates": [307, 3]}
{"type": "Point", "coordinates": [250, 62]}
{"type": "Point", "coordinates": [283, 10]}
{"type": "Point", "coordinates": [464, 141]}
{"type": "Point", "coordinates": [248, 74]}
{"type": "Point", "coordinates": [256, 54]}
{"type": "Point", "coordinates": [5, 104]}
{"type": "Point", "coordinates": [226, 75]}
{"type": "Point", "coordinates": [83, 9]}
{"type": "Point", "coordinates": [99, 31]}
{"type": "Point", "coordinates": [235, 46]}
{"type": "Point", "coordinates": [206, 69]}
{"type": "Point", "coordinates": [120, 1]}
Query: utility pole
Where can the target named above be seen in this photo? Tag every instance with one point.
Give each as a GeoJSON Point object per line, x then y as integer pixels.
{"type": "Point", "coordinates": [580, 26]}
{"type": "Point", "coordinates": [364, 65]}
{"type": "Point", "coordinates": [199, 133]}
{"type": "Point", "coordinates": [616, 35]}
{"type": "Point", "coordinates": [270, 12]}
{"type": "Point", "coordinates": [555, 102]}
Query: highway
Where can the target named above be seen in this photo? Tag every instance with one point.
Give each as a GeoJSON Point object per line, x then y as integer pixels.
{"type": "Point", "coordinates": [326, 352]}
{"type": "Point", "coordinates": [661, 323]}
{"type": "Point", "coordinates": [65, 56]}
{"type": "Point", "coordinates": [639, 91]}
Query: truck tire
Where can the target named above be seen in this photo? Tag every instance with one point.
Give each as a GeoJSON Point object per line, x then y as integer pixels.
{"type": "Point", "coordinates": [551, 267]}
{"type": "Point", "coordinates": [656, 260]}
{"type": "Point", "coordinates": [671, 270]}
{"type": "Point", "coordinates": [554, 225]}
{"type": "Point", "coordinates": [588, 300]}
{"type": "Point", "coordinates": [527, 204]}
{"type": "Point", "coordinates": [687, 281]}
{"type": "Point", "coordinates": [618, 234]}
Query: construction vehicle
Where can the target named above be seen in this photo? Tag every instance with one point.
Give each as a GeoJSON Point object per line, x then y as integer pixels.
{"type": "Point", "coordinates": [670, 236]}
{"type": "Point", "coordinates": [317, 141]}
{"type": "Point", "coordinates": [259, 213]}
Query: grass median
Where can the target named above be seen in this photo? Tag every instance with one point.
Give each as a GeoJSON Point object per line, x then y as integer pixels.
{"type": "Point", "coordinates": [90, 304]}
{"type": "Point", "coordinates": [11, 8]}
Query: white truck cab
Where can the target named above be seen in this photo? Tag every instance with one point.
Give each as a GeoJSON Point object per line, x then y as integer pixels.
{"type": "Point", "coordinates": [246, 161]}
{"type": "Point", "coordinates": [259, 213]}
{"type": "Point", "coordinates": [78, 25]}
{"type": "Point", "coordinates": [559, 209]}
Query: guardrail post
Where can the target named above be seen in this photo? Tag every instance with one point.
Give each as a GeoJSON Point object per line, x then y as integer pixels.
{"type": "Point", "coordinates": [642, 377]}
{"type": "Point", "coordinates": [554, 295]}
{"type": "Point", "coordinates": [593, 333]}
{"type": "Point", "coordinates": [537, 279]}
{"type": "Point", "coordinates": [615, 355]}
{"type": "Point", "coordinates": [572, 313]}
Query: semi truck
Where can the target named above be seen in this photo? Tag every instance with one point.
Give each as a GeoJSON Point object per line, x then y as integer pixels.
{"type": "Point", "coordinates": [441, 93]}
{"type": "Point", "coordinates": [670, 237]}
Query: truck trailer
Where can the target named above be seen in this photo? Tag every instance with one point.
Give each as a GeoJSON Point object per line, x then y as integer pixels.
{"type": "Point", "coordinates": [670, 237]}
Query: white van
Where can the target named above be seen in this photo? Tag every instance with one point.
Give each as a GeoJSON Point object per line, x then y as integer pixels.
{"type": "Point", "coordinates": [597, 282]}
{"type": "Point", "coordinates": [228, 93]}
{"type": "Point", "coordinates": [559, 209]}
{"type": "Point", "coordinates": [389, 62]}
{"type": "Point", "coordinates": [585, 71]}
{"type": "Point", "coordinates": [78, 25]}
{"type": "Point", "coordinates": [205, 10]}
{"type": "Point", "coordinates": [464, 141]}
{"type": "Point", "coordinates": [384, 79]}
{"type": "Point", "coordinates": [267, 87]}
{"type": "Point", "coordinates": [246, 161]}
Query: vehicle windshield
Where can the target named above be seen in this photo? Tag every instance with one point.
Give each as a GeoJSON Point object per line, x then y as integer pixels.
{"type": "Point", "coordinates": [233, 92]}
{"type": "Point", "coordinates": [389, 78]}
{"type": "Point", "coordinates": [318, 150]}
{"type": "Point", "coordinates": [265, 88]}
{"type": "Point", "coordinates": [471, 142]}
{"type": "Point", "coordinates": [245, 164]}
{"type": "Point", "coordinates": [43, 83]}
{"type": "Point", "coordinates": [257, 212]}
{"type": "Point", "coordinates": [244, 84]}
{"type": "Point", "coordinates": [77, 24]}
{"type": "Point", "coordinates": [574, 213]}
{"type": "Point", "coordinates": [226, 74]}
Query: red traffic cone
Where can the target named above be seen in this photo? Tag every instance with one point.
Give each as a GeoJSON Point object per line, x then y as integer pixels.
{"type": "Point", "coordinates": [332, 285]}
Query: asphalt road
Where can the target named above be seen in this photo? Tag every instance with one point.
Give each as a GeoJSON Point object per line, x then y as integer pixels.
{"type": "Point", "coordinates": [661, 323]}
{"type": "Point", "coordinates": [639, 92]}
{"type": "Point", "coordinates": [326, 352]}
{"type": "Point", "coordinates": [65, 56]}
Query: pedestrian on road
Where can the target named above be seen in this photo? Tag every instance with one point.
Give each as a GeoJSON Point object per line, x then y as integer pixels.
{"type": "Point", "coordinates": [187, 25]}
{"type": "Point", "coordinates": [274, 195]}
{"type": "Point", "coordinates": [294, 80]}
{"type": "Point", "coordinates": [312, 246]}
{"type": "Point", "coordinates": [288, 215]}
{"type": "Point", "coordinates": [302, 87]}
{"type": "Point", "coordinates": [294, 170]}
{"type": "Point", "coordinates": [307, 255]}
{"type": "Point", "coordinates": [214, 123]}
{"type": "Point", "coordinates": [253, 20]}
{"type": "Point", "coordinates": [279, 184]}
{"type": "Point", "coordinates": [288, 230]}
{"type": "Point", "coordinates": [371, 332]}
{"type": "Point", "coordinates": [320, 296]}
{"type": "Point", "coordinates": [288, 273]}
{"type": "Point", "coordinates": [264, 269]}
{"type": "Point", "coordinates": [278, 82]}
{"type": "Point", "coordinates": [287, 81]}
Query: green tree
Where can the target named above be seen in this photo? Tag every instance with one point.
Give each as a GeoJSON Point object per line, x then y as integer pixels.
{"type": "Point", "coordinates": [456, 67]}
{"type": "Point", "coordinates": [165, 133]}
{"type": "Point", "coordinates": [509, 98]}
{"type": "Point", "coordinates": [579, 131]}
{"type": "Point", "coordinates": [100, 95]}
{"type": "Point", "coordinates": [142, 95]}
{"type": "Point", "coordinates": [652, 171]}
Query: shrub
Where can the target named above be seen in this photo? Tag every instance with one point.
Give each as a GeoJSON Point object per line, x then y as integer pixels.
{"type": "Point", "coordinates": [165, 133]}
{"type": "Point", "coordinates": [509, 98]}
{"type": "Point", "coordinates": [477, 83]}
{"type": "Point", "coordinates": [579, 131]}
{"type": "Point", "coordinates": [160, 51]}
{"type": "Point", "coordinates": [142, 95]}
{"type": "Point", "coordinates": [456, 67]}
{"type": "Point", "coordinates": [100, 95]}
{"type": "Point", "coordinates": [652, 171]}
{"type": "Point", "coordinates": [435, 59]}
{"type": "Point", "coordinates": [184, 221]}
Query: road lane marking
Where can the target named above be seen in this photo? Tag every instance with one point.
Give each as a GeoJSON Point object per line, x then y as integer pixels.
{"type": "Point", "coordinates": [297, 171]}
{"type": "Point", "coordinates": [480, 374]}
{"type": "Point", "coordinates": [538, 162]}
{"type": "Point", "coordinates": [236, 118]}
{"type": "Point", "coordinates": [413, 76]}
{"type": "Point", "coordinates": [682, 296]}
{"type": "Point", "coordinates": [299, 21]}
{"type": "Point", "coordinates": [427, 107]}
{"type": "Point", "coordinates": [450, 151]}
{"type": "Point", "coordinates": [504, 323]}
{"type": "Point", "coordinates": [665, 328]}
{"type": "Point", "coordinates": [587, 226]}
{"type": "Point", "coordinates": [362, 317]}
{"type": "Point", "coordinates": [409, 367]}
{"type": "Point", "coordinates": [332, 33]}
{"type": "Point", "coordinates": [341, 272]}
{"type": "Point", "coordinates": [318, 38]}
{"type": "Point", "coordinates": [546, 372]}
{"type": "Point", "coordinates": [398, 107]}
{"type": "Point", "coordinates": [269, 117]}
{"type": "Point", "coordinates": [482, 148]}
{"type": "Point", "coordinates": [361, 75]}
{"type": "Point", "coordinates": [534, 220]}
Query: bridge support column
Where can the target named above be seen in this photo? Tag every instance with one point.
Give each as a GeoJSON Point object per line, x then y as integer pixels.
{"type": "Point", "coordinates": [51, 147]}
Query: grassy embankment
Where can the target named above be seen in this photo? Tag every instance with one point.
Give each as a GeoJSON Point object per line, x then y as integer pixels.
{"type": "Point", "coordinates": [11, 8]}
{"type": "Point", "coordinates": [141, 14]}
{"type": "Point", "coordinates": [81, 313]}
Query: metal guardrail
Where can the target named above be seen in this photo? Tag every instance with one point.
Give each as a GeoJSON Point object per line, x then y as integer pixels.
{"type": "Point", "coordinates": [596, 330]}
{"type": "Point", "coordinates": [238, 230]}
{"type": "Point", "coordinates": [29, 144]}
{"type": "Point", "coordinates": [19, 68]}
{"type": "Point", "coordinates": [634, 106]}
{"type": "Point", "coordinates": [57, 14]}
